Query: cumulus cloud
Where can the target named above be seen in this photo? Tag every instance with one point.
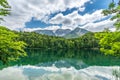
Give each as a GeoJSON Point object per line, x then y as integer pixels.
{"type": "Point", "coordinates": [23, 10]}
{"type": "Point", "coordinates": [54, 28]}
{"type": "Point", "coordinates": [100, 26]}
{"type": "Point", "coordinates": [58, 19]}
{"type": "Point", "coordinates": [75, 19]}
{"type": "Point", "coordinates": [93, 17]}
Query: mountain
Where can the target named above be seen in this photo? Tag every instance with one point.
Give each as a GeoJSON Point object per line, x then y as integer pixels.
{"type": "Point", "coordinates": [62, 32]}
{"type": "Point", "coordinates": [77, 32]}
{"type": "Point", "coordinates": [46, 32]}
{"type": "Point", "coordinates": [58, 32]}
{"type": "Point", "coordinates": [66, 33]}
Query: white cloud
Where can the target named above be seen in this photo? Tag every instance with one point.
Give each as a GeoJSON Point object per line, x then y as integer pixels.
{"type": "Point", "coordinates": [54, 28]}
{"type": "Point", "coordinates": [81, 9]}
{"type": "Point", "coordinates": [23, 10]}
{"type": "Point", "coordinates": [75, 19]}
{"type": "Point", "coordinates": [100, 26]}
{"type": "Point", "coordinates": [58, 19]}
{"type": "Point", "coordinates": [93, 17]}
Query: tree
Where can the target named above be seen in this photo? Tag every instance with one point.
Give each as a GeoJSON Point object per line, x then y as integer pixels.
{"type": "Point", "coordinates": [110, 41]}
{"type": "Point", "coordinates": [113, 8]}
{"type": "Point", "coordinates": [4, 9]}
{"type": "Point", "coordinates": [10, 47]}
{"type": "Point", "coordinates": [106, 30]}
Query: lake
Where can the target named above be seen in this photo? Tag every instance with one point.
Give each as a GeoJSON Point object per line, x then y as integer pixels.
{"type": "Point", "coordinates": [62, 65]}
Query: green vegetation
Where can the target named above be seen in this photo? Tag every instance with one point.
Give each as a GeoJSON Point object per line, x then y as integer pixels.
{"type": "Point", "coordinates": [113, 8]}
{"type": "Point", "coordinates": [110, 41]}
{"type": "Point", "coordinates": [12, 43]}
{"type": "Point", "coordinates": [116, 73]}
{"type": "Point", "coordinates": [77, 58]}
{"type": "Point", "coordinates": [35, 40]}
{"type": "Point", "coordinates": [4, 9]}
{"type": "Point", "coordinates": [10, 47]}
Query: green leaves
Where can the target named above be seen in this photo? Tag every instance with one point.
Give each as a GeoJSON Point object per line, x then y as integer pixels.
{"type": "Point", "coordinates": [106, 12]}
{"type": "Point", "coordinates": [114, 9]}
{"type": "Point", "coordinates": [4, 4]}
{"type": "Point", "coordinates": [109, 42]}
{"type": "Point", "coordinates": [4, 9]}
{"type": "Point", "coordinates": [4, 12]}
{"type": "Point", "coordinates": [111, 5]}
{"type": "Point", "coordinates": [35, 40]}
{"type": "Point", "coordinates": [10, 47]}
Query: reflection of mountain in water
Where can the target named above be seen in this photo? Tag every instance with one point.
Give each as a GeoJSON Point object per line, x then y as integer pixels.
{"type": "Point", "coordinates": [54, 73]}
{"type": "Point", "coordinates": [69, 57]}
{"type": "Point", "coordinates": [65, 63]}
{"type": "Point", "coordinates": [62, 65]}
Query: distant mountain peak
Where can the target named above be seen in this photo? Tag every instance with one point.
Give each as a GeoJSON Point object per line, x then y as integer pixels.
{"type": "Point", "coordinates": [76, 33]}
{"type": "Point", "coordinates": [67, 33]}
{"type": "Point", "coordinates": [46, 32]}
{"type": "Point", "coordinates": [62, 32]}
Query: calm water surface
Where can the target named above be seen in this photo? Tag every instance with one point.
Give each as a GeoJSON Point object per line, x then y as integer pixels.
{"type": "Point", "coordinates": [61, 65]}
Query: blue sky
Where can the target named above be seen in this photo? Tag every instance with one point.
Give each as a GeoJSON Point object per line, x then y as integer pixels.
{"type": "Point", "coordinates": [54, 14]}
{"type": "Point", "coordinates": [90, 8]}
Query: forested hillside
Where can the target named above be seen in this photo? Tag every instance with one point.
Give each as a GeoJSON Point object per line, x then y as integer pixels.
{"type": "Point", "coordinates": [35, 40]}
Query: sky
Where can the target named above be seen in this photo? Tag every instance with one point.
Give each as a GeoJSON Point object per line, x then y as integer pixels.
{"type": "Point", "coordinates": [30, 15]}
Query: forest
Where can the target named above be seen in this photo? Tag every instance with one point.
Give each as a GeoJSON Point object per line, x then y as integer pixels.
{"type": "Point", "coordinates": [13, 43]}
{"type": "Point", "coordinates": [35, 40]}
{"type": "Point", "coordinates": [60, 40]}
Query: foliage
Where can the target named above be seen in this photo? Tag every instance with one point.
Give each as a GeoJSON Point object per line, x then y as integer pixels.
{"type": "Point", "coordinates": [10, 47]}
{"type": "Point", "coordinates": [35, 40]}
{"type": "Point", "coordinates": [116, 74]}
{"type": "Point", "coordinates": [110, 42]}
{"type": "Point", "coordinates": [4, 9]}
{"type": "Point", "coordinates": [116, 10]}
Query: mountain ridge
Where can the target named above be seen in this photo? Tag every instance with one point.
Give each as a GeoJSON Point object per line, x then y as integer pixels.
{"type": "Point", "coordinates": [66, 33]}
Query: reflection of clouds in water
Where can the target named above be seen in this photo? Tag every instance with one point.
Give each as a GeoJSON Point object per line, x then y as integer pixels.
{"type": "Point", "coordinates": [77, 64]}
{"type": "Point", "coordinates": [12, 73]}
{"type": "Point", "coordinates": [54, 73]}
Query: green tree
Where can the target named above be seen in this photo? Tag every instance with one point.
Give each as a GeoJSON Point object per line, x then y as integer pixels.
{"type": "Point", "coordinates": [4, 9]}
{"type": "Point", "coordinates": [113, 8]}
{"type": "Point", "coordinates": [110, 41]}
{"type": "Point", "coordinates": [10, 47]}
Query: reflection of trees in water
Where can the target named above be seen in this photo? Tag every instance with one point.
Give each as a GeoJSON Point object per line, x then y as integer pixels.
{"type": "Point", "coordinates": [116, 74]}
{"type": "Point", "coordinates": [90, 57]}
